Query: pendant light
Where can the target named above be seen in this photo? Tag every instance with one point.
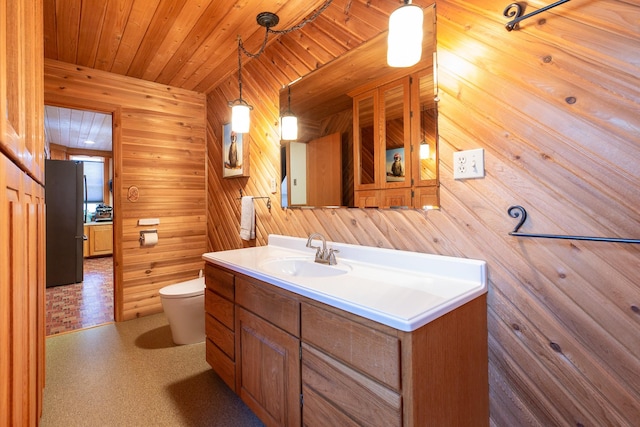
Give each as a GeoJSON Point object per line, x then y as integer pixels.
{"type": "Point", "coordinates": [405, 35]}
{"type": "Point", "coordinates": [240, 109]}
{"type": "Point", "coordinates": [289, 122]}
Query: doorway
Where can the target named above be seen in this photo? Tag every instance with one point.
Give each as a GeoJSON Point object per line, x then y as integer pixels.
{"type": "Point", "coordinates": [85, 136]}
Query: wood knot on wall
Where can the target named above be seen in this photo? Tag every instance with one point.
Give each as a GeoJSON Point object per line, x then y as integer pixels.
{"type": "Point", "coordinates": [555, 347]}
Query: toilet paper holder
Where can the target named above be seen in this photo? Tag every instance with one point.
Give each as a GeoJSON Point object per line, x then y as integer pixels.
{"type": "Point", "coordinates": [143, 232]}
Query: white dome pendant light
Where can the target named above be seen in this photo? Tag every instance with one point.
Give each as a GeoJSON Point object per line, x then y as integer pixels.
{"type": "Point", "coordinates": [404, 47]}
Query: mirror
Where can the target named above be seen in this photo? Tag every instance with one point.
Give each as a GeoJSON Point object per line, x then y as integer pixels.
{"type": "Point", "coordinates": [323, 103]}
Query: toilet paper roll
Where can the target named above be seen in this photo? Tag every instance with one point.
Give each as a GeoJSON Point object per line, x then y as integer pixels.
{"type": "Point", "coordinates": [148, 239]}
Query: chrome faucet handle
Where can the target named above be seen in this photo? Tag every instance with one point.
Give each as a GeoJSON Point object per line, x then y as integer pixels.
{"type": "Point", "coordinates": [332, 256]}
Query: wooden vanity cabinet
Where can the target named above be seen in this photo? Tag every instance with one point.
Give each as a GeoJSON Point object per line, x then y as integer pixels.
{"type": "Point", "coordinates": [353, 371]}
{"type": "Point", "coordinates": [268, 351]}
{"type": "Point", "coordinates": [359, 372]}
{"type": "Point", "coordinates": [220, 323]}
{"type": "Point", "coordinates": [296, 361]}
{"type": "Point", "coordinates": [253, 343]}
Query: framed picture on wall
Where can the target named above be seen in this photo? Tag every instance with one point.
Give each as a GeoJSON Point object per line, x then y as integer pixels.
{"type": "Point", "coordinates": [395, 165]}
{"type": "Point", "coordinates": [235, 153]}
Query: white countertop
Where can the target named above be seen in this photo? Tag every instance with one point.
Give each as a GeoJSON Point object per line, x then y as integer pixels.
{"type": "Point", "coordinates": [92, 223]}
{"type": "Point", "coordinates": [401, 289]}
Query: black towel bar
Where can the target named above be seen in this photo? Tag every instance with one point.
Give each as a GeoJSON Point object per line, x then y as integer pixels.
{"type": "Point", "coordinates": [519, 211]}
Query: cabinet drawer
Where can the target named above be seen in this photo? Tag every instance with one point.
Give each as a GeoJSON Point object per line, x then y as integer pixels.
{"type": "Point", "coordinates": [318, 411]}
{"type": "Point", "coordinates": [337, 385]}
{"type": "Point", "coordinates": [269, 303]}
{"type": "Point", "coordinates": [220, 336]}
{"type": "Point", "coordinates": [372, 352]}
{"type": "Point", "coordinates": [224, 367]}
{"type": "Point", "coordinates": [220, 308]}
{"type": "Point", "coordinates": [219, 281]}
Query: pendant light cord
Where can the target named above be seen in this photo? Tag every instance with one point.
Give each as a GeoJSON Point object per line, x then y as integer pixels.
{"type": "Point", "coordinates": [310, 19]}
{"type": "Point", "coordinates": [240, 67]}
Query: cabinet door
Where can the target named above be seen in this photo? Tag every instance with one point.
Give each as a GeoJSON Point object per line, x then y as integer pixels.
{"type": "Point", "coordinates": [396, 134]}
{"type": "Point", "coordinates": [366, 147]}
{"type": "Point", "coordinates": [268, 370]}
{"type": "Point", "coordinates": [22, 286]}
{"type": "Point", "coordinates": [21, 94]}
{"type": "Point", "coordinates": [426, 128]}
{"type": "Point", "coordinates": [101, 240]}
{"type": "Point", "coordinates": [367, 199]}
{"type": "Point", "coordinates": [425, 197]}
{"type": "Point", "coordinates": [396, 198]}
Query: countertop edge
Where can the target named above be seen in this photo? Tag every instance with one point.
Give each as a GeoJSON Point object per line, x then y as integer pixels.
{"type": "Point", "coordinates": [405, 325]}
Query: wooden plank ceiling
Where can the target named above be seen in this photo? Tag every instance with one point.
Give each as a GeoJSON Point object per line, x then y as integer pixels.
{"type": "Point", "coordinates": [190, 44]}
{"type": "Point", "coordinates": [78, 129]}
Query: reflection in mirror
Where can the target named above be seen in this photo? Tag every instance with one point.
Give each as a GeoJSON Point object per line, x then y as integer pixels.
{"type": "Point", "coordinates": [321, 100]}
{"type": "Point", "coordinates": [428, 126]}
{"type": "Point", "coordinates": [394, 131]}
{"type": "Point", "coordinates": [367, 169]}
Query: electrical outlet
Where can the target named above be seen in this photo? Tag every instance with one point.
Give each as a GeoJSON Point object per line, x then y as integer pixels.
{"type": "Point", "coordinates": [468, 164]}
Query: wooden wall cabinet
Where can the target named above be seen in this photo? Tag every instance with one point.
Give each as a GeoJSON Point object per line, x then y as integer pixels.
{"type": "Point", "coordinates": [22, 210]}
{"type": "Point", "coordinates": [395, 143]}
{"type": "Point", "coordinates": [22, 283]}
{"type": "Point", "coordinates": [296, 361]}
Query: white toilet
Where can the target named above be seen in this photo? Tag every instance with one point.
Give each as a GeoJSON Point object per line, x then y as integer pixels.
{"type": "Point", "coordinates": [183, 303]}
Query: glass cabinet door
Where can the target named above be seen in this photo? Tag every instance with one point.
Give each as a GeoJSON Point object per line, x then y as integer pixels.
{"type": "Point", "coordinates": [396, 155]}
{"type": "Point", "coordinates": [365, 136]}
{"type": "Point", "coordinates": [426, 129]}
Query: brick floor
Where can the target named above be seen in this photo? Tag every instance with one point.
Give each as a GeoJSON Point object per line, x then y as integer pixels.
{"type": "Point", "coordinates": [85, 304]}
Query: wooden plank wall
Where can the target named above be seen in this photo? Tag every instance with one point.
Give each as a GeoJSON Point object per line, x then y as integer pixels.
{"type": "Point", "coordinates": [555, 107]}
{"type": "Point", "coordinates": [159, 148]}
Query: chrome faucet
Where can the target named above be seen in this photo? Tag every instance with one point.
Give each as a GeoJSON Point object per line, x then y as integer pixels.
{"type": "Point", "coordinates": [323, 256]}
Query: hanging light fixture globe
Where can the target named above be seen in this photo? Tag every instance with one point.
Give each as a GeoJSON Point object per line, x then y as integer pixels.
{"type": "Point", "coordinates": [405, 36]}
{"type": "Point", "coordinates": [240, 117]}
{"type": "Point", "coordinates": [289, 122]}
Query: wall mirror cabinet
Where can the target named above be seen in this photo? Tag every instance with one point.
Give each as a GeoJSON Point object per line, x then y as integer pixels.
{"type": "Point", "coordinates": [367, 132]}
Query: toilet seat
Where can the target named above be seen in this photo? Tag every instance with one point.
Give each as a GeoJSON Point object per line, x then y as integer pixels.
{"type": "Point", "coordinates": [190, 288]}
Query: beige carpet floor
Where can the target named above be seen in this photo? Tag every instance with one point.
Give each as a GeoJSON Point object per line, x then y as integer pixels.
{"type": "Point", "coordinates": [131, 374]}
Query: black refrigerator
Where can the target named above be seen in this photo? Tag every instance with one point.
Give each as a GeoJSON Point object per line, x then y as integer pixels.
{"type": "Point", "coordinates": [64, 198]}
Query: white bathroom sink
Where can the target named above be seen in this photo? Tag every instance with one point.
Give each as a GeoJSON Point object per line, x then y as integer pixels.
{"type": "Point", "coordinates": [401, 289]}
{"type": "Point", "coordinates": [303, 267]}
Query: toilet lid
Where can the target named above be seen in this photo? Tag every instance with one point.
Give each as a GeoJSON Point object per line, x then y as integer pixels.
{"type": "Point", "coordinates": [189, 288]}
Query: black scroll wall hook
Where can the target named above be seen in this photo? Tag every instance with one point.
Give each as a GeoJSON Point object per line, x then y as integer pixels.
{"type": "Point", "coordinates": [515, 10]}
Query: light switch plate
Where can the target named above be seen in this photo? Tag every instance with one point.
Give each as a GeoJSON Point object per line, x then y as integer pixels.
{"type": "Point", "coordinates": [468, 164]}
